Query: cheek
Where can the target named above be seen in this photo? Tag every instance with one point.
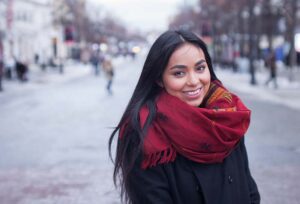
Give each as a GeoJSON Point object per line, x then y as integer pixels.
{"type": "Point", "coordinates": [206, 78]}
{"type": "Point", "coordinates": [173, 84]}
{"type": "Point", "coordinates": [207, 82]}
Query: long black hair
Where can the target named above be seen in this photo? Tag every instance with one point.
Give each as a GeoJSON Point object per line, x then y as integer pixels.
{"type": "Point", "coordinates": [145, 93]}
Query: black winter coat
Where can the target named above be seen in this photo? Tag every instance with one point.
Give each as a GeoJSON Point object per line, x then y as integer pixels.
{"type": "Point", "coordinates": [186, 182]}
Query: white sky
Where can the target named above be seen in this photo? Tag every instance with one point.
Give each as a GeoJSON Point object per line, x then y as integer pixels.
{"type": "Point", "coordinates": [142, 14]}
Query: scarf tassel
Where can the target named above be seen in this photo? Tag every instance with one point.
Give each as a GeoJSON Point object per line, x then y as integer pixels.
{"type": "Point", "coordinates": [162, 157]}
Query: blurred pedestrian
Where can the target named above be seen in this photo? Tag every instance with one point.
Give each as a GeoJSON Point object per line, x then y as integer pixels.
{"type": "Point", "coordinates": [1, 65]}
{"type": "Point", "coordinates": [21, 69]}
{"type": "Point", "coordinates": [36, 58]}
{"type": "Point", "coordinates": [101, 60]}
{"type": "Point", "coordinates": [61, 66]}
{"type": "Point", "coordinates": [181, 137]}
{"type": "Point", "coordinates": [9, 67]}
{"type": "Point", "coordinates": [95, 62]}
{"type": "Point", "coordinates": [109, 73]}
{"type": "Point", "coordinates": [271, 65]}
{"type": "Point", "coordinates": [1, 71]}
{"type": "Point", "coordinates": [43, 63]}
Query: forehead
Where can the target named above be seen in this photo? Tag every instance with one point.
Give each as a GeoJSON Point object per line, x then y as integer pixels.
{"type": "Point", "coordinates": [185, 53]}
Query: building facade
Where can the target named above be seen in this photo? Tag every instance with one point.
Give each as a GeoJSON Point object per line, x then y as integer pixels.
{"type": "Point", "coordinates": [28, 32]}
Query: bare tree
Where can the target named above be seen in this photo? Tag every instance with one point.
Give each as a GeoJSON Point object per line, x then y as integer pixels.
{"type": "Point", "coordinates": [73, 13]}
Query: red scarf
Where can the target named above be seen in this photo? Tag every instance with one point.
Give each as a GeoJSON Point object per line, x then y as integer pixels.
{"type": "Point", "coordinates": [204, 135]}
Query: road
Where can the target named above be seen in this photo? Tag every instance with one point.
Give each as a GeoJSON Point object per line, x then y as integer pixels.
{"type": "Point", "coordinates": [53, 141]}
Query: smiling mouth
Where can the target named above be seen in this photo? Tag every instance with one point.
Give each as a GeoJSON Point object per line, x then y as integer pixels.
{"type": "Point", "coordinates": [193, 93]}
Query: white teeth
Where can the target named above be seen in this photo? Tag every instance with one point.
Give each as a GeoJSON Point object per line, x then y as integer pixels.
{"type": "Point", "coordinates": [193, 92]}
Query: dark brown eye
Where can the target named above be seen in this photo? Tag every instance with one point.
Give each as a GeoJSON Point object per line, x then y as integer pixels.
{"type": "Point", "coordinates": [200, 68]}
{"type": "Point", "coordinates": [178, 73]}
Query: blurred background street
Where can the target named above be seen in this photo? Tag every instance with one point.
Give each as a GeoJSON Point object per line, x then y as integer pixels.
{"type": "Point", "coordinates": [59, 101]}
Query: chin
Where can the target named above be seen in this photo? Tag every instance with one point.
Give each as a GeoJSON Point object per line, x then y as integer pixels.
{"type": "Point", "coordinates": [194, 103]}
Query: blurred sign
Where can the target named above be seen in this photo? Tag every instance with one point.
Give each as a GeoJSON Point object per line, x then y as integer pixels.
{"type": "Point", "coordinates": [69, 34]}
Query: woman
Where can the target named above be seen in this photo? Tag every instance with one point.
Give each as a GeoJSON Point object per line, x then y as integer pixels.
{"type": "Point", "coordinates": [181, 135]}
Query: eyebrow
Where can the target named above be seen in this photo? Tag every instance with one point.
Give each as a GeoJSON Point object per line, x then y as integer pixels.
{"type": "Point", "coordinates": [184, 66]}
{"type": "Point", "coordinates": [200, 62]}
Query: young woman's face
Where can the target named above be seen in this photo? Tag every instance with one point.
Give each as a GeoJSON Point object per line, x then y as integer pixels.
{"type": "Point", "coordinates": [187, 75]}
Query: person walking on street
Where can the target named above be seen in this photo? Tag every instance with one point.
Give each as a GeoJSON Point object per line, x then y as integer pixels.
{"type": "Point", "coordinates": [109, 73]}
{"type": "Point", "coordinates": [181, 138]}
{"type": "Point", "coordinates": [21, 69]}
{"type": "Point", "coordinates": [1, 72]}
{"type": "Point", "coordinates": [95, 63]}
{"type": "Point", "coordinates": [1, 65]}
{"type": "Point", "coordinates": [271, 64]}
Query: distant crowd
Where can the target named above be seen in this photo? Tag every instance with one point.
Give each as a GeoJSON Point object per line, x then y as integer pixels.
{"type": "Point", "coordinates": [14, 68]}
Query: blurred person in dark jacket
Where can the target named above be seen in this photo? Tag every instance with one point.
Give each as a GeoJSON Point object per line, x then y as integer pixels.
{"type": "Point", "coordinates": [1, 65]}
{"type": "Point", "coordinates": [1, 72]}
{"type": "Point", "coordinates": [21, 69]}
{"type": "Point", "coordinates": [271, 64]}
{"type": "Point", "coordinates": [95, 62]}
{"type": "Point", "coordinates": [181, 137]}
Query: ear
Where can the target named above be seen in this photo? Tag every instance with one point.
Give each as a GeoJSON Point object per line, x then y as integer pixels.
{"type": "Point", "coordinates": [160, 83]}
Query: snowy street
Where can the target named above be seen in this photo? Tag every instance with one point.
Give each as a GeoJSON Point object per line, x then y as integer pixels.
{"type": "Point", "coordinates": [54, 134]}
{"type": "Point", "coordinates": [54, 137]}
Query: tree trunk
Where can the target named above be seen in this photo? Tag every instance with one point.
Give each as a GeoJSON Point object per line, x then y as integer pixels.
{"type": "Point", "coordinates": [291, 21]}
{"type": "Point", "coordinates": [251, 42]}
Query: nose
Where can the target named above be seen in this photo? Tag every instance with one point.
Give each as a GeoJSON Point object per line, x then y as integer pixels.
{"type": "Point", "coordinates": [192, 79]}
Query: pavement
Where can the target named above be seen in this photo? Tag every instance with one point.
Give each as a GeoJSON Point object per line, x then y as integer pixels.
{"type": "Point", "coordinates": [37, 77]}
{"type": "Point", "coordinates": [54, 130]}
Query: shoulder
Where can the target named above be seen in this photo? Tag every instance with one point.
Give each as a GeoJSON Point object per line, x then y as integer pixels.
{"type": "Point", "coordinates": [168, 172]}
{"type": "Point", "coordinates": [173, 182]}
